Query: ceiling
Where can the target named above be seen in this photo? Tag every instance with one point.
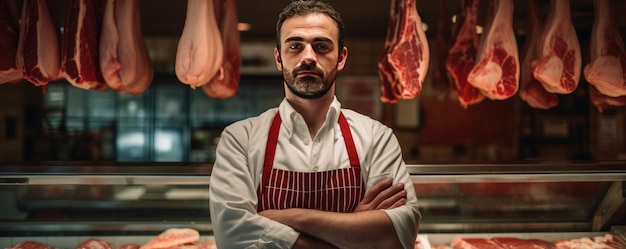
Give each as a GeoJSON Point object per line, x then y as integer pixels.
{"type": "Point", "coordinates": [362, 18]}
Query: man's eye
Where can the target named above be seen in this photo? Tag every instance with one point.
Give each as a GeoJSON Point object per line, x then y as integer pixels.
{"type": "Point", "coordinates": [322, 47]}
{"type": "Point", "coordinates": [294, 46]}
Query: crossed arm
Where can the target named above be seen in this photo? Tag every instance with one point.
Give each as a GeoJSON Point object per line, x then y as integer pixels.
{"type": "Point", "coordinates": [366, 227]}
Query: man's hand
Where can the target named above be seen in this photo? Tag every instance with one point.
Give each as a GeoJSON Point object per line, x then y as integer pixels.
{"type": "Point", "coordinates": [383, 195]}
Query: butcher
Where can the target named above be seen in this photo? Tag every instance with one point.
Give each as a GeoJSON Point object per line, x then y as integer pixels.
{"type": "Point", "coordinates": [309, 173]}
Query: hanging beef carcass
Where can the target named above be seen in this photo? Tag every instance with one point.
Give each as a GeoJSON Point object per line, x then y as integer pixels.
{"type": "Point", "coordinates": [390, 89]}
{"type": "Point", "coordinates": [531, 90]}
{"type": "Point", "coordinates": [407, 53]}
{"type": "Point", "coordinates": [124, 59]}
{"type": "Point", "coordinates": [225, 83]}
{"type": "Point", "coordinates": [200, 51]}
{"type": "Point", "coordinates": [559, 65]}
{"type": "Point", "coordinates": [80, 63]}
{"type": "Point", "coordinates": [463, 52]}
{"type": "Point", "coordinates": [9, 35]}
{"type": "Point", "coordinates": [607, 69]}
{"type": "Point", "coordinates": [38, 51]}
{"type": "Point", "coordinates": [496, 72]}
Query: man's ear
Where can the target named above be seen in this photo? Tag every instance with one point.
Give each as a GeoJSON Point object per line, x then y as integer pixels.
{"type": "Point", "coordinates": [277, 60]}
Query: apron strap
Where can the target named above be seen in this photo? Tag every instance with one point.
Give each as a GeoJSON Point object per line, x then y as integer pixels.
{"type": "Point", "coordinates": [347, 137]}
{"type": "Point", "coordinates": [270, 147]}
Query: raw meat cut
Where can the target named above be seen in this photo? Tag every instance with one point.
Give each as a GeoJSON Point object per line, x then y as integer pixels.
{"type": "Point", "coordinates": [496, 72]}
{"type": "Point", "coordinates": [200, 51]}
{"type": "Point", "coordinates": [38, 51]}
{"type": "Point", "coordinates": [603, 242]}
{"type": "Point", "coordinates": [128, 246]}
{"type": "Point", "coordinates": [9, 35]}
{"type": "Point", "coordinates": [390, 88]}
{"type": "Point", "coordinates": [558, 67]}
{"type": "Point", "coordinates": [607, 70]}
{"type": "Point", "coordinates": [29, 244]}
{"type": "Point", "coordinates": [173, 237]}
{"type": "Point", "coordinates": [516, 243]}
{"type": "Point", "coordinates": [463, 52]}
{"type": "Point", "coordinates": [442, 83]}
{"type": "Point", "coordinates": [80, 64]}
{"type": "Point", "coordinates": [531, 90]}
{"type": "Point", "coordinates": [409, 56]}
{"type": "Point", "coordinates": [603, 102]}
{"type": "Point", "coordinates": [95, 244]}
{"type": "Point", "coordinates": [474, 243]}
{"type": "Point", "coordinates": [225, 84]}
{"type": "Point", "coordinates": [124, 59]}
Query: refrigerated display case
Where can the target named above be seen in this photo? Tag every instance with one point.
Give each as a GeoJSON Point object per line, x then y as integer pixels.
{"type": "Point", "coordinates": [65, 203]}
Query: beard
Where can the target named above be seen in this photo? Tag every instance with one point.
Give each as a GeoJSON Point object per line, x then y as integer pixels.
{"type": "Point", "coordinates": [309, 87]}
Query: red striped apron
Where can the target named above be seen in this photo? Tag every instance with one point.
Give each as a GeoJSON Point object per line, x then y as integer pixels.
{"type": "Point", "coordinates": [338, 190]}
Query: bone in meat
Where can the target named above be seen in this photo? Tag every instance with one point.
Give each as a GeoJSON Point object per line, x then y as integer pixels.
{"type": "Point", "coordinates": [124, 59]}
{"type": "Point", "coordinates": [200, 51]}
{"type": "Point", "coordinates": [80, 64]}
{"type": "Point", "coordinates": [9, 35]}
{"type": "Point", "coordinates": [38, 51]}
{"type": "Point", "coordinates": [496, 72]}
{"type": "Point", "coordinates": [462, 54]}
{"type": "Point", "coordinates": [225, 84]}
{"type": "Point", "coordinates": [607, 69]}
{"type": "Point", "coordinates": [558, 67]}
{"type": "Point", "coordinates": [531, 90]}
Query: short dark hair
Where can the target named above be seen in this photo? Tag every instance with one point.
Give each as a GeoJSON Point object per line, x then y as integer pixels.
{"type": "Point", "coordinates": [305, 7]}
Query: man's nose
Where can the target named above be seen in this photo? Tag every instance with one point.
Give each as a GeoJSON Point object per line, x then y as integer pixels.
{"type": "Point", "coordinates": [308, 55]}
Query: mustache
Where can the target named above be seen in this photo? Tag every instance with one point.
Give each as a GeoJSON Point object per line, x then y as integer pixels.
{"type": "Point", "coordinates": [308, 67]}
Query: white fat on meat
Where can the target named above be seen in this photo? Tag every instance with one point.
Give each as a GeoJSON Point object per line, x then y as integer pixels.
{"type": "Point", "coordinates": [200, 51]}
{"type": "Point", "coordinates": [496, 72]}
{"type": "Point", "coordinates": [559, 65]}
{"type": "Point", "coordinates": [9, 36]}
{"type": "Point", "coordinates": [38, 51]}
{"type": "Point", "coordinates": [607, 69]}
{"type": "Point", "coordinates": [224, 84]}
{"type": "Point", "coordinates": [124, 60]}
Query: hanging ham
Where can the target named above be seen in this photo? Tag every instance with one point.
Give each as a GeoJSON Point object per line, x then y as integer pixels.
{"type": "Point", "coordinates": [225, 83]}
{"type": "Point", "coordinates": [38, 52]}
{"type": "Point", "coordinates": [80, 63]}
{"type": "Point", "coordinates": [496, 72]}
{"type": "Point", "coordinates": [404, 62]}
{"type": "Point", "coordinates": [603, 102]}
{"type": "Point", "coordinates": [9, 35]}
{"type": "Point", "coordinates": [200, 51]}
{"type": "Point", "coordinates": [124, 59]}
{"type": "Point", "coordinates": [463, 52]}
{"type": "Point", "coordinates": [558, 67]}
{"type": "Point", "coordinates": [531, 90]}
{"type": "Point", "coordinates": [607, 69]}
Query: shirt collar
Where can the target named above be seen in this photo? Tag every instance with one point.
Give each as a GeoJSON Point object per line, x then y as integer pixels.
{"type": "Point", "coordinates": [290, 117]}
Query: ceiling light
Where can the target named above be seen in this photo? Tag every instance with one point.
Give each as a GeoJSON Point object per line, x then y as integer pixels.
{"type": "Point", "coordinates": [243, 26]}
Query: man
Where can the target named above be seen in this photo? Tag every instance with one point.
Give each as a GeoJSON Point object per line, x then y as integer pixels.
{"type": "Point", "coordinates": [309, 174]}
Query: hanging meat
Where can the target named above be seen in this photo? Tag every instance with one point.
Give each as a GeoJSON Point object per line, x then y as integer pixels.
{"type": "Point", "coordinates": [9, 35]}
{"type": "Point", "coordinates": [407, 54]}
{"type": "Point", "coordinates": [390, 90]}
{"type": "Point", "coordinates": [603, 102]}
{"type": "Point", "coordinates": [225, 83]}
{"type": "Point", "coordinates": [558, 67]}
{"type": "Point", "coordinates": [496, 72]}
{"type": "Point", "coordinates": [124, 59]}
{"type": "Point", "coordinates": [607, 69]}
{"type": "Point", "coordinates": [38, 51]}
{"type": "Point", "coordinates": [80, 63]}
{"type": "Point", "coordinates": [531, 90]}
{"type": "Point", "coordinates": [463, 52]}
{"type": "Point", "coordinates": [200, 51]}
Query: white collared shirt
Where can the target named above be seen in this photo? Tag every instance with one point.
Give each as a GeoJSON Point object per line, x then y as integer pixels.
{"type": "Point", "coordinates": [239, 163]}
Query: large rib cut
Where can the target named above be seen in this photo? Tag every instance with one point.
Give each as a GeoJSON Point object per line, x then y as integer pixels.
{"type": "Point", "coordinates": [390, 89]}
{"type": "Point", "coordinates": [531, 90]}
{"type": "Point", "coordinates": [9, 35]}
{"type": "Point", "coordinates": [38, 51]}
{"type": "Point", "coordinates": [80, 63]}
{"type": "Point", "coordinates": [607, 70]}
{"type": "Point", "coordinates": [124, 59]}
{"type": "Point", "coordinates": [462, 53]}
{"type": "Point", "coordinates": [558, 67]}
{"type": "Point", "coordinates": [225, 84]}
{"type": "Point", "coordinates": [200, 51]}
{"type": "Point", "coordinates": [496, 72]}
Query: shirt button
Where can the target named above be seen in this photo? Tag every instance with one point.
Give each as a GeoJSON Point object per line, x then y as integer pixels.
{"type": "Point", "coordinates": [315, 168]}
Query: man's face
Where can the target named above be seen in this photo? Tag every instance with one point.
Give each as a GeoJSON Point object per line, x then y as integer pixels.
{"type": "Point", "coordinates": [309, 57]}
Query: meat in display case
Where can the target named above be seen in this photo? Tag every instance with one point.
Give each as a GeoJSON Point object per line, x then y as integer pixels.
{"type": "Point", "coordinates": [65, 204]}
